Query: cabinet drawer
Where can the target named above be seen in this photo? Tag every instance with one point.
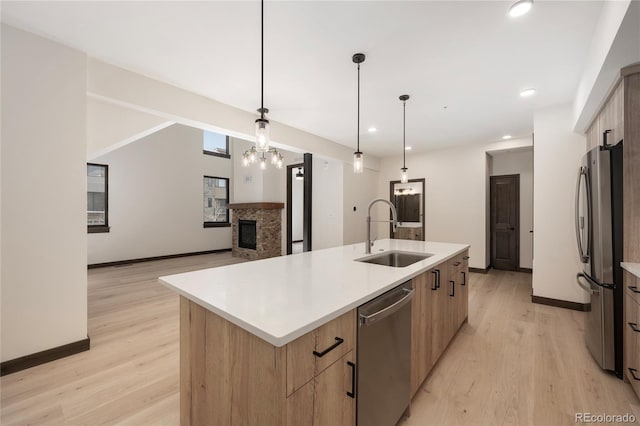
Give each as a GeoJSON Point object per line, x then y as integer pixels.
{"type": "Point", "coordinates": [632, 342]}
{"type": "Point", "coordinates": [310, 354]}
{"type": "Point", "coordinates": [631, 286]}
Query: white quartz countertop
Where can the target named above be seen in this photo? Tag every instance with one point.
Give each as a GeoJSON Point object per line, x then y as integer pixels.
{"type": "Point", "coordinates": [634, 268]}
{"type": "Point", "coordinates": [282, 298]}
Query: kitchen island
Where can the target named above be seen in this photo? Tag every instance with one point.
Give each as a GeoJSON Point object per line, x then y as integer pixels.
{"type": "Point", "coordinates": [251, 333]}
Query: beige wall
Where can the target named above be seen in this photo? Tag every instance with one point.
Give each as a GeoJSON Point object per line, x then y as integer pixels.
{"type": "Point", "coordinates": [44, 200]}
{"type": "Point", "coordinates": [156, 198]}
{"type": "Point", "coordinates": [557, 155]}
{"type": "Point", "coordinates": [521, 163]}
{"type": "Point", "coordinates": [455, 193]}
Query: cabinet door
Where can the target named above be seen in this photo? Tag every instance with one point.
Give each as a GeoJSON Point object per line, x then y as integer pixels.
{"type": "Point", "coordinates": [632, 342]}
{"type": "Point", "coordinates": [438, 312]}
{"type": "Point", "coordinates": [421, 328]}
{"type": "Point", "coordinates": [333, 406]}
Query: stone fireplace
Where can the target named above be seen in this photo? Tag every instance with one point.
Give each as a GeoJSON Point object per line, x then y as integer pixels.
{"type": "Point", "coordinates": [256, 230]}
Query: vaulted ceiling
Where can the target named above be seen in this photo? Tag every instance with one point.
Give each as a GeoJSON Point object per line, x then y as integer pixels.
{"type": "Point", "coordinates": [463, 63]}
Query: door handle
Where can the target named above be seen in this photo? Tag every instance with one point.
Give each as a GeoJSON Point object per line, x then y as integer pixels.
{"type": "Point", "coordinates": [383, 313]}
{"type": "Point", "coordinates": [338, 342]}
{"type": "Point", "coordinates": [585, 288]}
{"type": "Point", "coordinates": [512, 228]}
{"type": "Point", "coordinates": [584, 256]}
{"type": "Point", "coordinates": [634, 327]}
{"type": "Point", "coordinates": [352, 394]}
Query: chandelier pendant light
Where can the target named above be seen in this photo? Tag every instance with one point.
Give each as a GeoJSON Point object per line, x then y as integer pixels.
{"type": "Point", "coordinates": [358, 160]}
{"type": "Point", "coordinates": [404, 175]}
{"type": "Point", "coordinates": [262, 124]}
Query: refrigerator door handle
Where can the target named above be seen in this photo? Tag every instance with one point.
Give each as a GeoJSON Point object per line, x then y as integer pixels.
{"type": "Point", "coordinates": [588, 288]}
{"type": "Point", "coordinates": [579, 222]}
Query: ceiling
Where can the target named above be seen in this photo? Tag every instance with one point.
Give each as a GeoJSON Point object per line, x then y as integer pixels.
{"type": "Point", "coordinates": [463, 63]}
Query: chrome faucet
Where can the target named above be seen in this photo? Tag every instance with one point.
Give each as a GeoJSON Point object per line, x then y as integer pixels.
{"type": "Point", "coordinates": [394, 214]}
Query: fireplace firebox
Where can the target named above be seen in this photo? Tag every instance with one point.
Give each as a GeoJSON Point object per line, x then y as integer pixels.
{"type": "Point", "coordinates": [247, 234]}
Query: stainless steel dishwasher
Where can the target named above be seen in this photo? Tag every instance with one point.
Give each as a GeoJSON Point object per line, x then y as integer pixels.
{"type": "Point", "coordinates": [384, 357]}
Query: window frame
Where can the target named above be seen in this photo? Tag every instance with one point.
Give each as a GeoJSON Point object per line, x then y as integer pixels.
{"type": "Point", "coordinates": [217, 224]}
{"type": "Point", "coordinates": [97, 229]}
{"type": "Point", "coordinates": [217, 154]}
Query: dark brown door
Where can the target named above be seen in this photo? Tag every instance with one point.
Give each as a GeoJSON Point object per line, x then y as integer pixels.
{"type": "Point", "coordinates": [505, 223]}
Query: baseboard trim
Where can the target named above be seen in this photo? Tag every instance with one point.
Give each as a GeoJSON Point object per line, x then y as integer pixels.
{"type": "Point", "coordinates": [526, 270]}
{"type": "Point", "coordinates": [479, 270]}
{"type": "Point", "coordinates": [584, 307]}
{"type": "Point", "coordinates": [28, 361]}
{"type": "Point", "coordinates": [150, 259]}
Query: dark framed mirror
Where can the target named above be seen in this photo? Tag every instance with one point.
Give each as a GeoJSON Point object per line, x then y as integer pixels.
{"type": "Point", "coordinates": [408, 198]}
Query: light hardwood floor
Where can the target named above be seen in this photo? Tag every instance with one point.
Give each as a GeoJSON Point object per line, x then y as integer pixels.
{"type": "Point", "coordinates": [513, 362]}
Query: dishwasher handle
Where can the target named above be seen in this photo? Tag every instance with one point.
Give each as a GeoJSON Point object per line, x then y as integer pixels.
{"type": "Point", "coordinates": [385, 312]}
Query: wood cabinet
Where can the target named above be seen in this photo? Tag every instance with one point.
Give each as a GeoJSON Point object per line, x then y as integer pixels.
{"type": "Point", "coordinates": [632, 334]}
{"type": "Point", "coordinates": [230, 376]}
{"type": "Point", "coordinates": [440, 307]}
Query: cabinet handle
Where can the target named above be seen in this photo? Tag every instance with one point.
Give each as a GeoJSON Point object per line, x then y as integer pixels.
{"type": "Point", "coordinates": [456, 263]}
{"type": "Point", "coordinates": [453, 289]}
{"type": "Point", "coordinates": [338, 342]}
{"type": "Point", "coordinates": [352, 394]}
{"type": "Point", "coordinates": [464, 278]}
{"type": "Point", "coordinates": [634, 289]}
{"type": "Point", "coordinates": [633, 373]}
{"type": "Point", "coordinates": [436, 279]}
{"type": "Point", "coordinates": [634, 327]}
{"type": "Point", "coordinates": [465, 258]}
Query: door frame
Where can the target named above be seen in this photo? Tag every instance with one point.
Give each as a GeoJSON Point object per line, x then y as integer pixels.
{"type": "Point", "coordinates": [306, 203]}
{"type": "Point", "coordinates": [422, 219]}
{"type": "Point", "coordinates": [491, 221]}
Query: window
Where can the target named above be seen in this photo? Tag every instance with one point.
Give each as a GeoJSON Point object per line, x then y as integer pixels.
{"type": "Point", "coordinates": [97, 198]}
{"type": "Point", "coordinates": [216, 202]}
{"type": "Point", "coordinates": [215, 144]}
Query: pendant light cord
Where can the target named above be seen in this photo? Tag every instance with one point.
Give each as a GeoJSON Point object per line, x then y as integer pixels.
{"type": "Point", "coordinates": [404, 131]}
{"type": "Point", "coordinates": [262, 59]}
{"type": "Point", "coordinates": [358, 136]}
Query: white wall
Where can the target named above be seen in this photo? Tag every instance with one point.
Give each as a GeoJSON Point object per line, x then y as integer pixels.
{"type": "Point", "coordinates": [519, 162]}
{"type": "Point", "coordinates": [327, 187]}
{"type": "Point", "coordinates": [156, 198]}
{"type": "Point", "coordinates": [112, 126]}
{"type": "Point", "coordinates": [557, 154]}
{"type": "Point", "coordinates": [44, 233]}
{"type": "Point", "coordinates": [455, 193]}
{"type": "Point", "coordinates": [358, 191]}
{"type": "Point", "coordinates": [297, 206]}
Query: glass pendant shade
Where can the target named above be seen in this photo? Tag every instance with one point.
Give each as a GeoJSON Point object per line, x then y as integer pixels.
{"type": "Point", "coordinates": [263, 163]}
{"type": "Point", "coordinates": [252, 156]}
{"type": "Point", "coordinates": [280, 161]}
{"type": "Point", "coordinates": [245, 160]}
{"type": "Point", "coordinates": [404, 176]}
{"type": "Point", "coordinates": [274, 157]}
{"type": "Point", "coordinates": [358, 162]}
{"type": "Point", "coordinates": [262, 135]}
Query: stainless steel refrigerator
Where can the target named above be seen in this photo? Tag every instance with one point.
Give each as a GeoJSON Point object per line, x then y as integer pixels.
{"type": "Point", "coordinates": [599, 237]}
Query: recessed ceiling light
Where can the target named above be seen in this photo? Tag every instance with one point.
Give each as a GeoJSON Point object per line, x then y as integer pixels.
{"type": "Point", "coordinates": [372, 130]}
{"type": "Point", "coordinates": [407, 148]}
{"type": "Point", "coordinates": [527, 92]}
{"type": "Point", "coordinates": [520, 7]}
{"type": "Point", "coordinates": [505, 137]}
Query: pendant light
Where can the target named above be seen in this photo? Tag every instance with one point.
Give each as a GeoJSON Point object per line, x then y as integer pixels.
{"type": "Point", "coordinates": [358, 160]}
{"type": "Point", "coordinates": [262, 124]}
{"type": "Point", "coordinates": [404, 176]}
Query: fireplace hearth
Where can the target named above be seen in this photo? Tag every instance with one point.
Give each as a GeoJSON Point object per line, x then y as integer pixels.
{"type": "Point", "coordinates": [256, 230]}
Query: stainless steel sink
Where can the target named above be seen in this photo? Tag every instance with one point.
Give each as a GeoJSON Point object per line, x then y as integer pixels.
{"type": "Point", "coordinates": [395, 258]}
